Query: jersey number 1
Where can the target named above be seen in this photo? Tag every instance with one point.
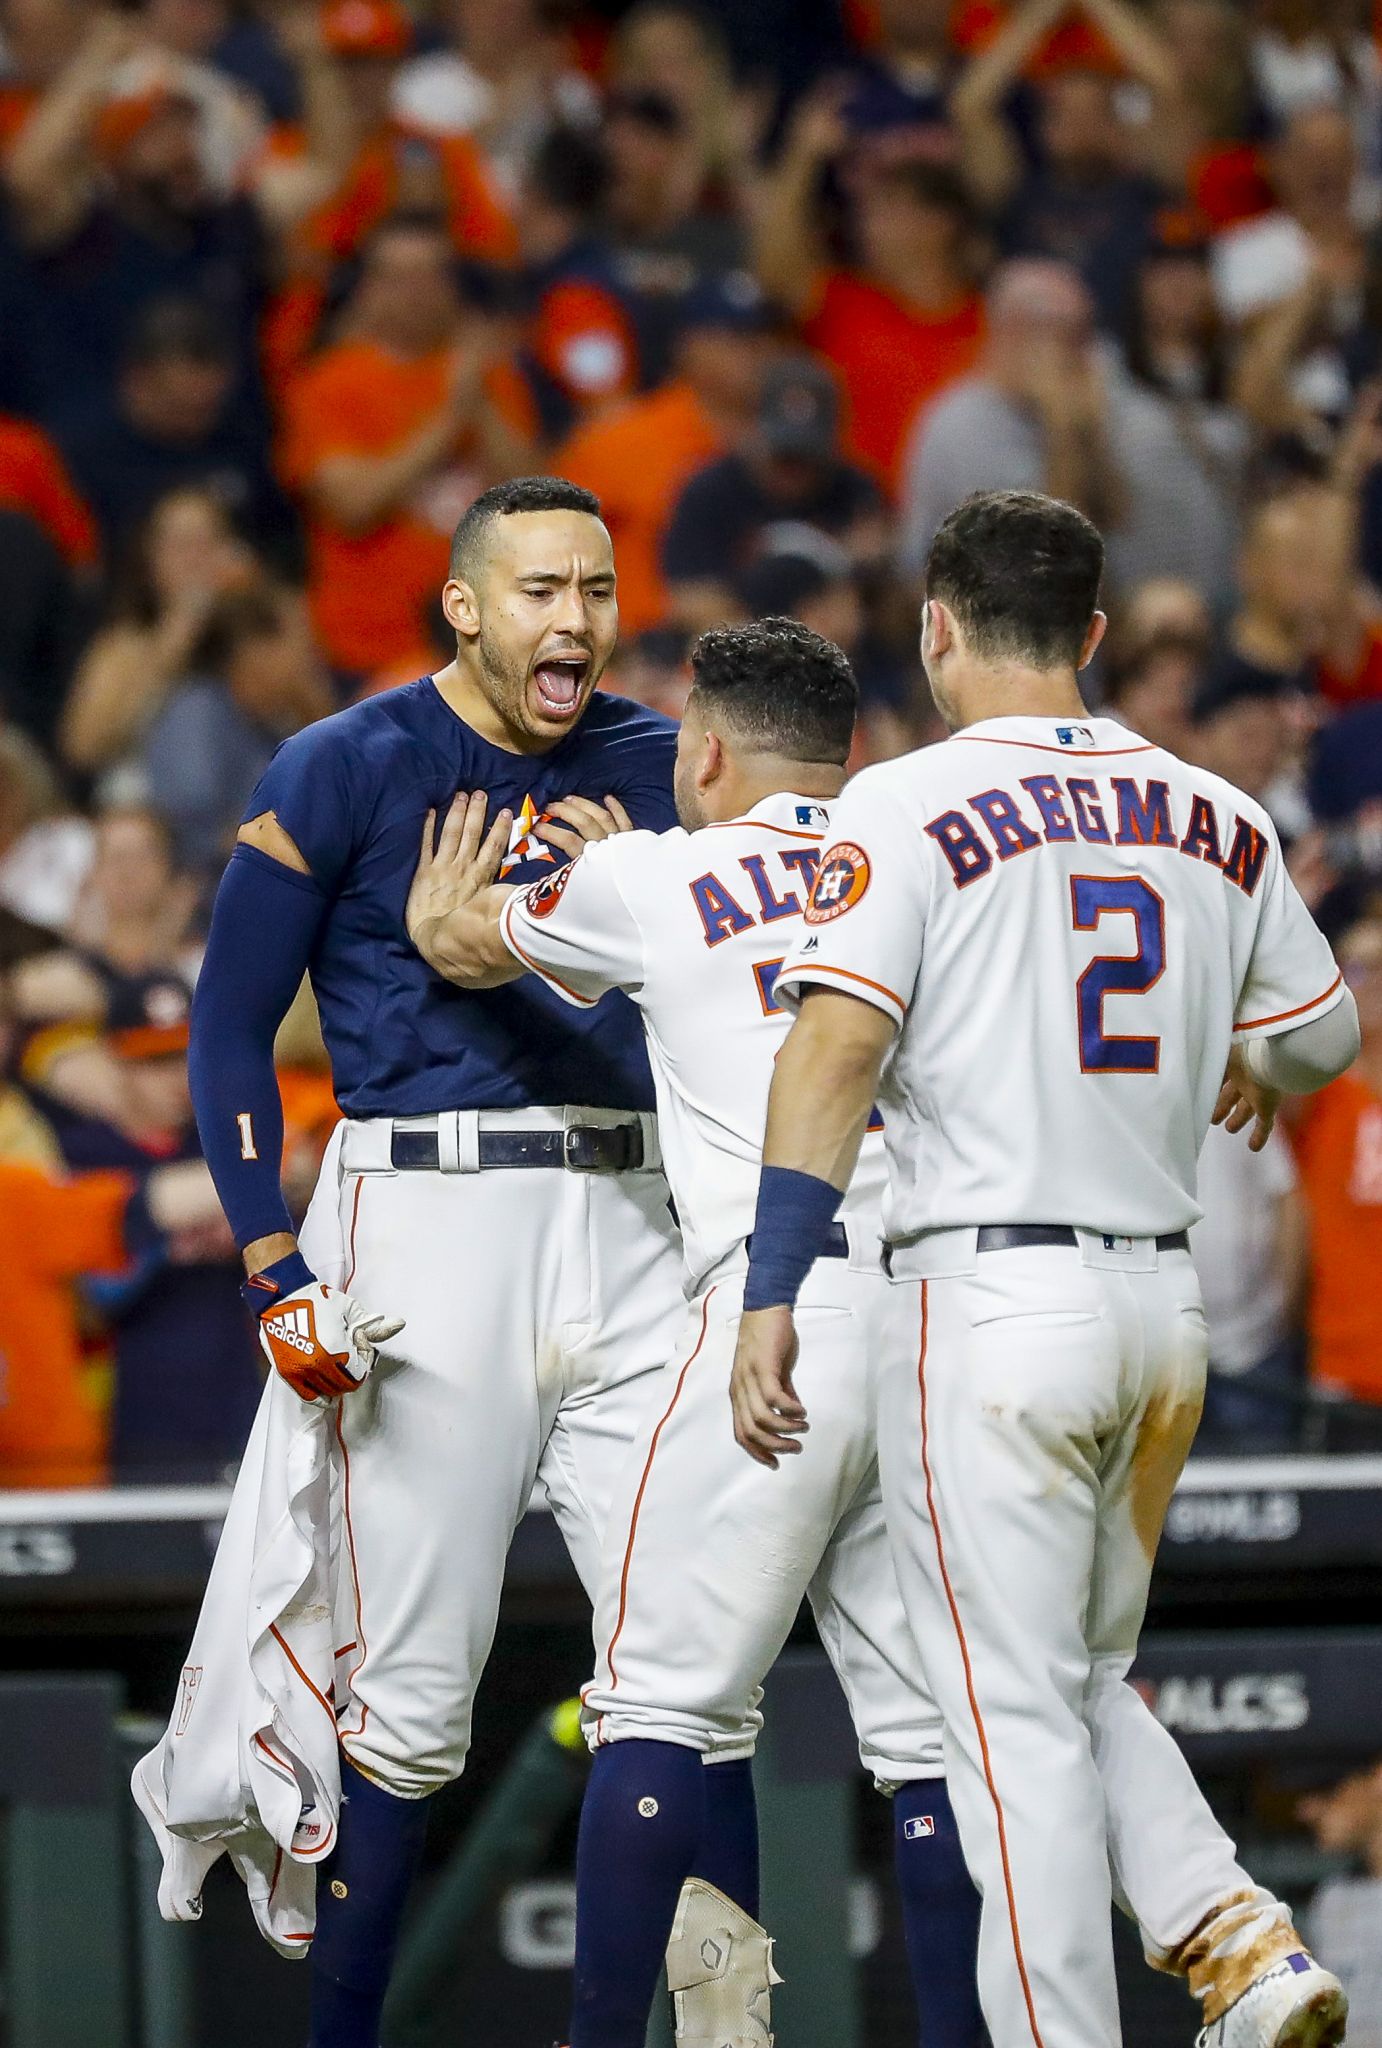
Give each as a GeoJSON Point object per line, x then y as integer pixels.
{"type": "Point", "coordinates": [248, 1149]}
{"type": "Point", "coordinates": [1092, 898]}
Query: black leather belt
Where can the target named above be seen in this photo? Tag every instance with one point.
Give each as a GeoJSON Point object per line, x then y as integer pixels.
{"type": "Point", "coordinates": [582, 1148]}
{"type": "Point", "coordinates": [836, 1245]}
{"type": "Point", "coordinates": [1011, 1237]}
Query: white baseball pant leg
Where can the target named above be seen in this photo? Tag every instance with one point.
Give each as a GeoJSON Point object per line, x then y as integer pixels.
{"type": "Point", "coordinates": [709, 1555]}
{"type": "Point", "coordinates": [540, 1304]}
{"type": "Point", "coordinates": [1030, 1441]}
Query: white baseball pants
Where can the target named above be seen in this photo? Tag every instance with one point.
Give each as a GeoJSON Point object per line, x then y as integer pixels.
{"type": "Point", "coordinates": [540, 1306]}
{"type": "Point", "coordinates": [1035, 1414]}
{"type": "Point", "coordinates": [708, 1555]}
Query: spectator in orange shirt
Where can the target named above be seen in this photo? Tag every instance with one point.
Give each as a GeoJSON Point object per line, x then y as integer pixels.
{"type": "Point", "coordinates": [389, 165]}
{"type": "Point", "coordinates": [57, 1227]}
{"type": "Point", "coordinates": [34, 477]}
{"type": "Point", "coordinates": [378, 166]}
{"type": "Point", "coordinates": [637, 459]}
{"type": "Point", "coordinates": [390, 435]}
{"type": "Point", "coordinates": [906, 319]}
{"type": "Point", "coordinates": [1339, 1150]}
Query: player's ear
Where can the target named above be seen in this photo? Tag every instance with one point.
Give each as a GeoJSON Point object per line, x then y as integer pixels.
{"type": "Point", "coordinates": [1098, 626]}
{"type": "Point", "coordinates": [712, 762]}
{"type": "Point", "coordinates": [462, 611]}
{"type": "Point", "coordinates": [937, 630]}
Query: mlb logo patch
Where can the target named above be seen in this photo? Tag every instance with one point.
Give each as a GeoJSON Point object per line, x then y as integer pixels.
{"type": "Point", "coordinates": [812, 814]}
{"type": "Point", "coordinates": [917, 1829]}
{"type": "Point", "coordinates": [1074, 736]}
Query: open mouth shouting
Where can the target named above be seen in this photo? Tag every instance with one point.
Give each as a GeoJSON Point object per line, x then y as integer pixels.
{"type": "Point", "coordinates": [560, 684]}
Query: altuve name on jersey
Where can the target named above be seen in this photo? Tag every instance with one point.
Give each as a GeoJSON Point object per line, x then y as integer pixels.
{"type": "Point", "coordinates": [1056, 809]}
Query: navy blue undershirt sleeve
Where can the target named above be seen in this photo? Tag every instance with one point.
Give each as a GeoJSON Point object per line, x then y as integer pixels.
{"type": "Point", "coordinates": [311, 786]}
{"type": "Point", "coordinates": [263, 928]}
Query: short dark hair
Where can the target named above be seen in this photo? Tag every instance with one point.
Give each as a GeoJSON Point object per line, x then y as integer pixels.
{"type": "Point", "coordinates": [517, 494]}
{"type": "Point", "coordinates": [570, 172]}
{"type": "Point", "coordinates": [782, 688]}
{"type": "Point", "coordinates": [1021, 573]}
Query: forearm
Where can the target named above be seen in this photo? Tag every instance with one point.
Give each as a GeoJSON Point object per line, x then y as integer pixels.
{"type": "Point", "coordinates": [356, 491]}
{"type": "Point", "coordinates": [116, 692]}
{"type": "Point", "coordinates": [466, 946]}
{"type": "Point", "coordinates": [990, 158]}
{"type": "Point", "coordinates": [1080, 468]}
{"type": "Point", "coordinates": [787, 247]}
{"type": "Point", "coordinates": [825, 1080]}
{"type": "Point", "coordinates": [327, 121]}
{"type": "Point", "coordinates": [49, 167]}
{"type": "Point", "coordinates": [1261, 382]}
{"type": "Point", "coordinates": [1142, 49]}
{"type": "Point", "coordinates": [262, 932]}
{"type": "Point", "coordinates": [1301, 1061]}
{"type": "Point", "coordinates": [503, 450]}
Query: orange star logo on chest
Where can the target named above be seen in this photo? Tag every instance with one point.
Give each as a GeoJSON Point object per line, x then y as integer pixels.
{"type": "Point", "coordinates": [522, 844]}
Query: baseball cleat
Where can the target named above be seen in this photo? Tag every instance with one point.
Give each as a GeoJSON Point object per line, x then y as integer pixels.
{"type": "Point", "coordinates": [1294, 2004]}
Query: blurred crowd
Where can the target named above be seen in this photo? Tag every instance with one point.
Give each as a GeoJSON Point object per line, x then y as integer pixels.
{"type": "Point", "coordinates": [283, 285]}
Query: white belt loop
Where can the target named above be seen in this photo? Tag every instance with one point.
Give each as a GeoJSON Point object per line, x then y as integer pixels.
{"type": "Point", "coordinates": [467, 1141]}
{"type": "Point", "coordinates": [448, 1140]}
{"type": "Point", "coordinates": [652, 1143]}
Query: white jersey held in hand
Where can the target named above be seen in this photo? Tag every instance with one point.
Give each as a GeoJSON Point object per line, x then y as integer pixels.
{"type": "Point", "coordinates": [1075, 926]}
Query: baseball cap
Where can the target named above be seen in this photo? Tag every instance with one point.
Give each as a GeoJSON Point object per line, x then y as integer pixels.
{"type": "Point", "coordinates": [777, 586]}
{"type": "Point", "coordinates": [130, 110]}
{"type": "Point", "coordinates": [799, 410]}
{"type": "Point", "coordinates": [1233, 679]}
{"type": "Point", "coordinates": [147, 1016]}
{"type": "Point", "coordinates": [366, 28]}
{"type": "Point", "coordinates": [727, 298]}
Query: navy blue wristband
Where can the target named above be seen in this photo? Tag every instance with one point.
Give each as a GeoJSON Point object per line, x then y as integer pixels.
{"type": "Point", "coordinates": [288, 1275]}
{"type": "Point", "coordinates": [795, 1210]}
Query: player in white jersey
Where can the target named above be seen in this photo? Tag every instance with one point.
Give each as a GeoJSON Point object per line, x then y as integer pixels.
{"type": "Point", "coordinates": [1035, 945]}
{"type": "Point", "coordinates": [707, 1557]}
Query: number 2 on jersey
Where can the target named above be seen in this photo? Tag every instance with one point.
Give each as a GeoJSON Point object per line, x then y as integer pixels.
{"type": "Point", "coordinates": [1092, 898]}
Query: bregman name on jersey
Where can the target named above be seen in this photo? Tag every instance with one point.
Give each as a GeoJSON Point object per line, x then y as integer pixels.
{"type": "Point", "coordinates": [1055, 809]}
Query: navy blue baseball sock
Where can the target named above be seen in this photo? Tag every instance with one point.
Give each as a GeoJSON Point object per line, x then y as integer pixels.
{"type": "Point", "coordinates": [728, 1853]}
{"type": "Point", "coordinates": [641, 1826]}
{"type": "Point", "coordinates": [361, 1889]}
{"type": "Point", "coordinates": [940, 1915]}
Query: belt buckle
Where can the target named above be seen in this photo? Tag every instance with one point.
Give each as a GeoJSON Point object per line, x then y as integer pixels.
{"type": "Point", "coordinates": [575, 1157]}
{"type": "Point", "coordinates": [601, 1148]}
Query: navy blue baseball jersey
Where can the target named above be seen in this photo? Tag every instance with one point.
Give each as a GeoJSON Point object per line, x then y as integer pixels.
{"type": "Point", "coordinates": [352, 792]}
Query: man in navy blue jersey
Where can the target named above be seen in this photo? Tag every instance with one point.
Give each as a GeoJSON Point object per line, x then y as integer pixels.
{"type": "Point", "coordinates": [493, 1221]}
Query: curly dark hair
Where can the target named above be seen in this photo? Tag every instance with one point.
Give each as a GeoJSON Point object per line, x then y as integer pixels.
{"type": "Point", "coordinates": [782, 689]}
{"type": "Point", "coordinates": [1021, 572]}
{"type": "Point", "coordinates": [518, 494]}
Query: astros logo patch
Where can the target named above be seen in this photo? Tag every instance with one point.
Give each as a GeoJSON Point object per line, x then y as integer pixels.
{"type": "Point", "coordinates": [842, 879]}
{"type": "Point", "coordinates": [544, 896]}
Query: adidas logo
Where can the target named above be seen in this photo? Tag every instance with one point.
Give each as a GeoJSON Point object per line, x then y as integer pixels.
{"type": "Point", "coordinates": [296, 1329]}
